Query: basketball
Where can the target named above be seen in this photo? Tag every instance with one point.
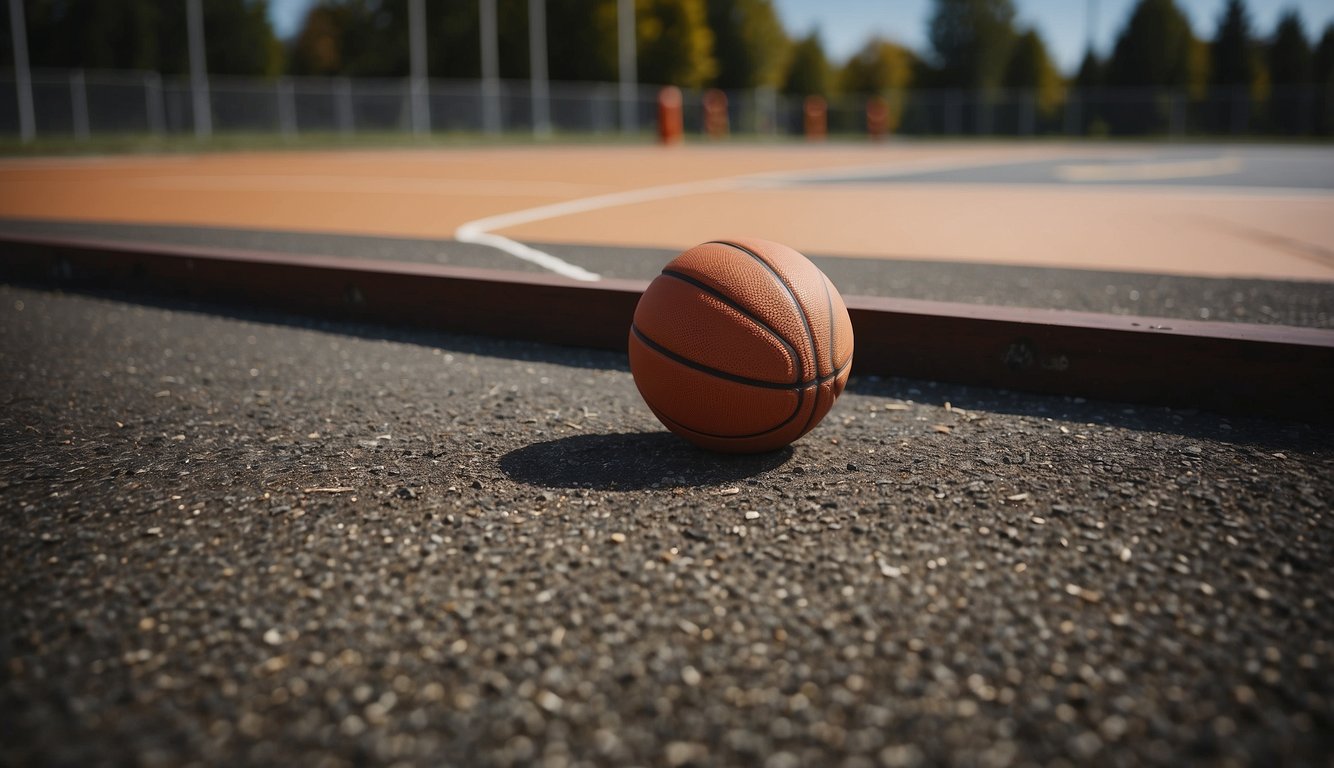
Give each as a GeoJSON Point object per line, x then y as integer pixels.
{"type": "Point", "coordinates": [741, 345]}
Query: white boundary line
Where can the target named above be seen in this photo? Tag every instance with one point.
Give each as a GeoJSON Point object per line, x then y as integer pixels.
{"type": "Point", "coordinates": [482, 231]}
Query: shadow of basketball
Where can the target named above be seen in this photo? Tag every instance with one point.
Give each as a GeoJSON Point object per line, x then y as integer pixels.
{"type": "Point", "coordinates": [631, 461]}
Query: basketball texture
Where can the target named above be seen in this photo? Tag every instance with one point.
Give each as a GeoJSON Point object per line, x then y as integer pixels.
{"type": "Point", "coordinates": [741, 345]}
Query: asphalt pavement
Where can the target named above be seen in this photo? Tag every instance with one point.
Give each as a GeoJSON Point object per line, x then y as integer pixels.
{"type": "Point", "coordinates": [1283, 302]}
{"type": "Point", "coordinates": [232, 538]}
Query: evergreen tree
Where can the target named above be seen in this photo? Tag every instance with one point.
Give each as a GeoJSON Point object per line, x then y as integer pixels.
{"type": "Point", "coordinates": [808, 72]}
{"type": "Point", "coordinates": [879, 68]}
{"type": "Point", "coordinates": [1092, 71]}
{"type": "Point", "coordinates": [971, 40]}
{"type": "Point", "coordinates": [1154, 49]}
{"type": "Point", "coordinates": [1031, 69]}
{"type": "Point", "coordinates": [749, 43]}
{"type": "Point", "coordinates": [1232, 55]}
{"type": "Point", "coordinates": [1289, 53]}
{"type": "Point", "coordinates": [1323, 76]}
{"type": "Point", "coordinates": [675, 45]}
{"type": "Point", "coordinates": [1291, 67]}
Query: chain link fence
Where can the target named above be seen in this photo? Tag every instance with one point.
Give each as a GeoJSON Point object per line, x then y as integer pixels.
{"type": "Point", "coordinates": [83, 104]}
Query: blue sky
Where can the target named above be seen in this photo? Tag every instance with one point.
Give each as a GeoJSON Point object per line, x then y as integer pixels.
{"type": "Point", "coordinates": [845, 24]}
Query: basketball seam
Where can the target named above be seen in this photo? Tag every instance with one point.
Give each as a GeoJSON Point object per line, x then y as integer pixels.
{"type": "Point", "coordinates": [675, 357]}
{"type": "Point", "coordinates": [791, 294]}
{"type": "Point", "coordinates": [805, 320]}
{"type": "Point", "coordinates": [724, 298]}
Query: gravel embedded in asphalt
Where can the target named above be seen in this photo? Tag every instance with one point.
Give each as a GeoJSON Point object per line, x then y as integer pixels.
{"type": "Point", "coordinates": [244, 538]}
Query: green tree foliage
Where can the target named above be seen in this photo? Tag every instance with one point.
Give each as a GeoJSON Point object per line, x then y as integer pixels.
{"type": "Point", "coordinates": [1290, 64]}
{"type": "Point", "coordinates": [94, 34]}
{"type": "Point", "coordinates": [146, 34]}
{"type": "Point", "coordinates": [352, 37]}
{"type": "Point", "coordinates": [675, 44]}
{"type": "Point", "coordinates": [1031, 69]}
{"type": "Point", "coordinates": [1289, 54]}
{"type": "Point", "coordinates": [808, 71]}
{"type": "Point", "coordinates": [749, 43]}
{"type": "Point", "coordinates": [1232, 55]}
{"type": "Point", "coordinates": [1323, 75]}
{"type": "Point", "coordinates": [1154, 49]}
{"type": "Point", "coordinates": [1092, 72]}
{"type": "Point", "coordinates": [880, 67]}
{"type": "Point", "coordinates": [238, 38]}
{"type": "Point", "coordinates": [971, 40]}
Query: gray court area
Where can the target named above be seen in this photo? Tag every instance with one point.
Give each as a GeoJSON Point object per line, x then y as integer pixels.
{"type": "Point", "coordinates": [251, 539]}
{"type": "Point", "coordinates": [1308, 169]}
{"type": "Point", "coordinates": [1309, 304]}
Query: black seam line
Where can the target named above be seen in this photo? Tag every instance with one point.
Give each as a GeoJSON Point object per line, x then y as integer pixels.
{"type": "Point", "coordinates": [791, 294]}
{"type": "Point", "coordinates": [667, 353]}
{"type": "Point", "coordinates": [720, 296]}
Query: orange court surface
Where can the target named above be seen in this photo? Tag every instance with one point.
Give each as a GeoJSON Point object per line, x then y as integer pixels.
{"type": "Point", "coordinates": [1208, 210]}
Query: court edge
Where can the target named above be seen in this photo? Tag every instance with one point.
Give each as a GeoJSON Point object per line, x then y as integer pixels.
{"type": "Point", "coordinates": [1233, 368]}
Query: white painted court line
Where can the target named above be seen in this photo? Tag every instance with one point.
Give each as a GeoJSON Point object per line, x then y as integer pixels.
{"type": "Point", "coordinates": [482, 231]}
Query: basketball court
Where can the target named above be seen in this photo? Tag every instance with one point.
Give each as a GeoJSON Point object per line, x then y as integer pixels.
{"type": "Point", "coordinates": [257, 533]}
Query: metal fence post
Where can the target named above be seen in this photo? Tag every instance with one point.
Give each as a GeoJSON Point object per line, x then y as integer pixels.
{"type": "Point", "coordinates": [490, 68]}
{"type": "Point", "coordinates": [421, 89]}
{"type": "Point", "coordinates": [78, 97]}
{"type": "Point", "coordinates": [153, 106]}
{"type": "Point", "coordinates": [202, 115]}
{"type": "Point", "coordinates": [628, 67]}
{"type": "Point", "coordinates": [286, 107]}
{"type": "Point", "coordinates": [22, 74]}
{"type": "Point", "coordinates": [343, 105]}
{"type": "Point", "coordinates": [1178, 108]}
{"type": "Point", "coordinates": [537, 74]}
{"type": "Point", "coordinates": [1028, 112]}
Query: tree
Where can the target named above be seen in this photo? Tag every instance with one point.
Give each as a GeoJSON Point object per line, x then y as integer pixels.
{"type": "Point", "coordinates": [1031, 69]}
{"type": "Point", "coordinates": [1092, 71]}
{"type": "Point", "coordinates": [1290, 61]}
{"type": "Point", "coordinates": [92, 34]}
{"type": "Point", "coordinates": [238, 39]}
{"type": "Point", "coordinates": [1154, 49]}
{"type": "Point", "coordinates": [675, 45]}
{"type": "Point", "coordinates": [1232, 55]}
{"type": "Point", "coordinates": [1323, 75]}
{"type": "Point", "coordinates": [971, 40]}
{"type": "Point", "coordinates": [880, 68]}
{"type": "Point", "coordinates": [749, 43]}
{"type": "Point", "coordinates": [808, 72]}
{"type": "Point", "coordinates": [1290, 66]}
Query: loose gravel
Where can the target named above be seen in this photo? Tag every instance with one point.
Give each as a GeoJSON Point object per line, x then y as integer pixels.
{"type": "Point", "coordinates": [239, 538]}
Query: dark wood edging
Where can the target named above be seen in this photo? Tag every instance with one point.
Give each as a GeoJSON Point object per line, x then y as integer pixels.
{"type": "Point", "coordinates": [1227, 367]}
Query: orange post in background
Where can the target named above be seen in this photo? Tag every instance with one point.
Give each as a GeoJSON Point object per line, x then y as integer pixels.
{"type": "Point", "coordinates": [815, 111]}
{"type": "Point", "coordinates": [670, 123]}
{"type": "Point", "coordinates": [715, 114]}
{"type": "Point", "coordinates": [877, 117]}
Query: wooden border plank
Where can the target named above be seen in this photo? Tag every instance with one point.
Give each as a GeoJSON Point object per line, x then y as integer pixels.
{"type": "Point", "coordinates": [1260, 370]}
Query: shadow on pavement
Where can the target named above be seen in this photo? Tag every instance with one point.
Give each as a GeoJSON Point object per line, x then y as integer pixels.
{"type": "Point", "coordinates": [631, 461]}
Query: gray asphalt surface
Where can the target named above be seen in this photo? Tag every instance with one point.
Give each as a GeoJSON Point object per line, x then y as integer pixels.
{"type": "Point", "coordinates": [242, 539]}
{"type": "Point", "coordinates": [1255, 168]}
{"type": "Point", "coordinates": [1253, 301]}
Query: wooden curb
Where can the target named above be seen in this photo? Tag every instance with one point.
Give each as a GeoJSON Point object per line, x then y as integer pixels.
{"type": "Point", "coordinates": [1255, 370]}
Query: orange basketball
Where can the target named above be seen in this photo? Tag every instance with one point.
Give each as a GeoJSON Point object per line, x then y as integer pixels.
{"type": "Point", "coordinates": [741, 345]}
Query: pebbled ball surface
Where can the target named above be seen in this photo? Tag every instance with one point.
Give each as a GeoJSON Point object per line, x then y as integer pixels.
{"type": "Point", "coordinates": [741, 345]}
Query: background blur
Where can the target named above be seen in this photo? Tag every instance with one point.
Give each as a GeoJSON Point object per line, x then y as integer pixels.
{"type": "Point", "coordinates": [87, 68]}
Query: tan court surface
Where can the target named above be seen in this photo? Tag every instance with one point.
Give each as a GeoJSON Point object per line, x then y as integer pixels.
{"type": "Point", "coordinates": [701, 192]}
